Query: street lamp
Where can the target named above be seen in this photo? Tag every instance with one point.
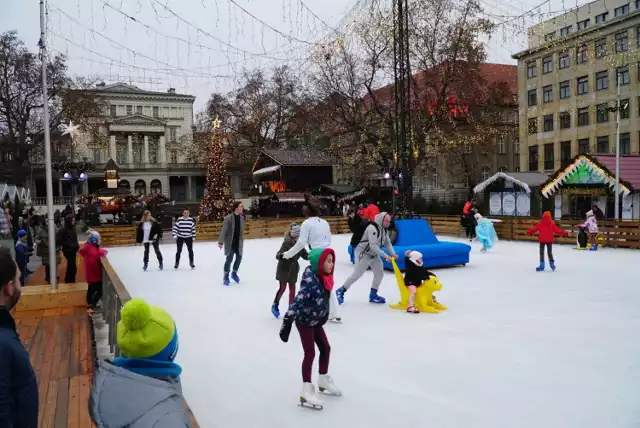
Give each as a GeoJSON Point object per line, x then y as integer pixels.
{"type": "Point", "coordinates": [74, 174]}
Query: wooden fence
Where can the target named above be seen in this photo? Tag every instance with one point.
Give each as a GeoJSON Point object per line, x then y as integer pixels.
{"type": "Point", "coordinates": [624, 234]}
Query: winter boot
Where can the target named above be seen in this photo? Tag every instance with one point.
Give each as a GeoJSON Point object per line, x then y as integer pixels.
{"type": "Point", "coordinates": [325, 384]}
{"type": "Point", "coordinates": [552, 265]}
{"type": "Point", "coordinates": [340, 294]}
{"type": "Point", "coordinates": [308, 396]}
{"type": "Point", "coordinates": [226, 281]}
{"type": "Point", "coordinates": [144, 266]}
{"type": "Point", "coordinates": [540, 268]}
{"type": "Point", "coordinates": [235, 277]}
{"type": "Point", "coordinates": [275, 310]}
{"type": "Point", "coordinates": [374, 298]}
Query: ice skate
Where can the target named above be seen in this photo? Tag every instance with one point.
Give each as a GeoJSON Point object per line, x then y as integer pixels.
{"type": "Point", "coordinates": [340, 294]}
{"type": "Point", "coordinates": [326, 385]}
{"type": "Point", "coordinates": [144, 266]}
{"type": "Point", "coordinates": [552, 265]}
{"type": "Point", "coordinates": [375, 298]}
{"type": "Point", "coordinates": [413, 310]}
{"type": "Point", "coordinates": [308, 397]}
{"type": "Point", "coordinates": [193, 266]}
{"type": "Point", "coordinates": [176, 266]}
{"type": "Point", "coordinates": [540, 268]}
{"type": "Point", "coordinates": [275, 310]}
{"type": "Point", "coordinates": [483, 250]}
{"type": "Point", "coordinates": [225, 280]}
{"type": "Point", "coordinates": [160, 266]}
{"type": "Point", "coordinates": [235, 277]}
{"type": "Point", "coordinates": [594, 247]}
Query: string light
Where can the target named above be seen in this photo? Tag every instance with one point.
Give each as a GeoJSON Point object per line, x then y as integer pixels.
{"type": "Point", "coordinates": [217, 200]}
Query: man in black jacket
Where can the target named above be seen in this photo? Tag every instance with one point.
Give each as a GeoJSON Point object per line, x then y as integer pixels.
{"type": "Point", "coordinates": [67, 238]}
{"type": "Point", "coordinates": [18, 385]}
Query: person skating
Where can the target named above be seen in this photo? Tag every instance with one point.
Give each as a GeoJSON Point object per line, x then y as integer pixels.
{"type": "Point", "coordinates": [141, 388]}
{"type": "Point", "coordinates": [368, 252]}
{"type": "Point", "coordinates": [149, 234]}
{"type": "Point", "coordinates": [91, 253]}
{"type": "Point", "coordinates": [184, 232]}
{"type": "Point", "coordinates": [415, 274]}
{"type": "Point", "coordinates": [310, 311]}
{"type": "Point", "coordinates": [287, 269]}
{"type": "Point", "coordinates": [353, 220]}
{"type": "Point", "coordinates": [232, 239]}
{"type": "Point", "coordinates": [591, 225]}
{"type": "Point", "coordinates": [546, 229]}
{"type": "Point", "coordinates": [22, 255]}
{"type": "Point", "coordinates": [67, 239]}
{"type": "Point", "coordinates": [18, 383]}
{"type": "Point", "coordinates": [485, 232]}
{"type": "Point", "coordinates": [468, 212]}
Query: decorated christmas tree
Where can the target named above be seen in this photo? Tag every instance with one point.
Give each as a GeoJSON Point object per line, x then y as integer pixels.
{"type": "Point", "coordinates": [217, 200]}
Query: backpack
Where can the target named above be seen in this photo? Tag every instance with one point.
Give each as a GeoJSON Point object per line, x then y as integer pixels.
{"type": "Point", "coordinates": [359, 232]}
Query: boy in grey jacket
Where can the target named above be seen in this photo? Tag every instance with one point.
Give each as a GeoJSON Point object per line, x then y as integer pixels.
{"type": "Point", "coordinates": [368, 254]}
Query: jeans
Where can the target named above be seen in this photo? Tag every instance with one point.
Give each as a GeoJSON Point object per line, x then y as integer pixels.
{"type": "Point", "coordinates": [180, 242]}
{"type": "Point", "coordinates": [72, 268]}
{"type": "Point", "coordinates": [236, 264]}
{"type": "Point", "coordinates": [156, 249]}
{"type": "Point", "coordinates": [549, 252]}
{"type": "Point", "coordinates": [311, 336]}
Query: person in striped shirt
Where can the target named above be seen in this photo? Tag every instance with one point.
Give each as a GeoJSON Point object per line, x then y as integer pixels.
{"type": "Point", "coordinates": [184, 232]}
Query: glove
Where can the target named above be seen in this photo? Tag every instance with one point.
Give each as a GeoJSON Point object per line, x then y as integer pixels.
{"type": "Point", "coordinates": [279, 257]}
{"type": "Point", "coordinates": [285, 330]}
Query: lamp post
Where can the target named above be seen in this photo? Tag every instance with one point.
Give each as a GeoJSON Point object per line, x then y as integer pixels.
{"type": "Point", "coordinates": [74, 177]}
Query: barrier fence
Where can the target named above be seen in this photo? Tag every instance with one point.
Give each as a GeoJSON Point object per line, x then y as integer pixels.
{"type": "Point", "coordinates": [622, 234]}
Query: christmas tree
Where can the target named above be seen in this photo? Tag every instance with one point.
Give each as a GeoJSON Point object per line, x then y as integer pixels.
{"type": "Point", "coordinates": [217, 200]}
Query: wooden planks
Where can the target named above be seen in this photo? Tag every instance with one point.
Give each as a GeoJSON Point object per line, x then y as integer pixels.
{"type": "Point", "coordinates": [42, 297]}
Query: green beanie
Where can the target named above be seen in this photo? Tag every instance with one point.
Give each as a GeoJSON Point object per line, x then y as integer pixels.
{"type": "Point", "coordinates": [144, 330]}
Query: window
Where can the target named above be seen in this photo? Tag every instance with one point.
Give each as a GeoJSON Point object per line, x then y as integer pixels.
{"type": "Point", "coordinates": [435, 179]}
{"type": "Point", "coordinates": [638, 35]}
{"type": "Point", "coordinates": [565, 120]}
{"type": "Point", "coordinates": [129, 110]}
{"type": "Point", "coordinates": [486, 173]}
{"type": "Point", "coordinates": [532, 97]}
{"type": "Point", "coordinates": [502, 169]}
{"type": "Point", "coordinates": [533, 158]}
{"type": "Point", "coordinates": [622, 41]}
{"type": "Point", "coordinates": [517, 169]}
{"type": "Point", "coordinates": [174, 112]}
{"type": "Point", "coordinates": [583, 85]}
{"type": "Point", "coordinates": [533, 125]}
{"type": "Point", "coordinates": [114, 111]}
{"type": "Point", "coordinates": [583, 146]}
{"type": "Point", "coordinates": [565, 90]}
{"type": "Point", "coordinates": [602, 17]}
{"type": "Point", "coordinates": [583, 116]}
{"type": "Point", "coordinates": [531, 69]}
{"type": "Point", "coordinates": [602, 80]}
{"type": "Point", "coordinates": [621, 11]}
{"type": "Point", "coordinates": [138, 109]}
{"type": "Point", "coordinates": [516, 146]}
{"type": "Point", "coordinates": [581, 54]}
{"type": "Point", "coordinates": [547, 123]}
{"type": "Point", "coordinates": [156, 112]}
{"type": "Point", "coordinates": [567, 30]}
{"type": "Point", "coordinates": [548, 156]}
{"type": "Point", "coordinates": [583, 24]}
{"type": "Point", "coordinates": [547, 93]}
{"type": "Point", "coordinates": [625, 144]}
{"type": "Point", "coordinates": [565, 153]}
{"type": "Point", "coordinates": [547, 64]}
{"type": "Point", "coordinates": [601, 48]}
{"type": "Point", "coordinates": [622, 75]}
{"type": "Point", "coordinates": [502, 149]}
{"type": "Point", "coordinates": [174, 156]}
{"type": "Point", "coordinates": [549, 36]}
{"type": "Point", "coordinates": [602, 145]}
{"type": "Point", "coordinates": [602, 113]}
{"type": "Point", "coordinates": [172, 134]}
{"type": "Point", "coordinates": [624, 109]}
{"type": "Point", "coordinates": [147, 111]}
{"type": "Point", "coordinates": [563, 60]}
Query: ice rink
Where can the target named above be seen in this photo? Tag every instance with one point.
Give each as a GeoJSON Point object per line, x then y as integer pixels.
{"type": "Point", "coordinates": [516, 349]}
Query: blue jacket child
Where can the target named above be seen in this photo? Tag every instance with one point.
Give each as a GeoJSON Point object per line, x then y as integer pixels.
{"type": "Point", "coordinates": [22, 255]}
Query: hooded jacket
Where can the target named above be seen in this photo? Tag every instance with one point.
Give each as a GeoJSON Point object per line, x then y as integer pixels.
{"type": "Point", "coordinates": [591, 224]}
{"type": "Point", "coordinates": [67, 237]}
{"type": "Point", "coordinates": [121, 398]}
{"type": "Point", "coordinates": [546, 229]}
{"type": "Point", "coordinates": [288, 269]}
{"type": "Point", "coordinates": [92, 264]}
{"type": "Point", "coordinates": [374, 239]}
{"type": "Point", "coordinates": [311, 305]}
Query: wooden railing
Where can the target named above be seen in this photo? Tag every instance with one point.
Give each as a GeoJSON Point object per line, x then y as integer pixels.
{"type": "Point", "coordinates": [624, 234]}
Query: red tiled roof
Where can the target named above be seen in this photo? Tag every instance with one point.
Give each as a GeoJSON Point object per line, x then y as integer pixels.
{"type": "Point", "coordinates": [629, 167]}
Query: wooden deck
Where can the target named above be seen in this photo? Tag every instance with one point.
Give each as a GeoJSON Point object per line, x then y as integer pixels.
{"type": "Point", "coordinates": [59, 346]}
{"type": "Point", "coordinates": [38, 276]}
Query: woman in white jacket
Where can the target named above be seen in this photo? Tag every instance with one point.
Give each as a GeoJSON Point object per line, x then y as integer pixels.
{"type": "Point", "coordinates": [315, 233]}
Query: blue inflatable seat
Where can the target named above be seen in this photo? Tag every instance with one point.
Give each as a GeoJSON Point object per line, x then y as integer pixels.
{"type": "Point", "coordinates": [416, 234]}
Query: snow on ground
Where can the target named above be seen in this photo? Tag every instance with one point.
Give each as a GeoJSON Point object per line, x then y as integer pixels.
{"type": "Point", "coordinates": [516, 349]}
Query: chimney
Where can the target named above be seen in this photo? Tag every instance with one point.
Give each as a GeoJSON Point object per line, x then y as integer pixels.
{"type": "Point", "coordinates": [172, 90]}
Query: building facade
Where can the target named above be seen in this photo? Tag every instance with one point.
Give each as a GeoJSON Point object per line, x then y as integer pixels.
{"type": "Point", "coordinates": [567, 84]}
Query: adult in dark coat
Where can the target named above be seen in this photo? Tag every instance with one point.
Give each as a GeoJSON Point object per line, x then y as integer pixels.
{"type": "Point", "coordinates": [18, 385]}
{"type": "Point", "coordinates": [67, 239]}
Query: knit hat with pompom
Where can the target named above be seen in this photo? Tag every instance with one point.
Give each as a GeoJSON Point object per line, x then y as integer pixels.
{"type": "Point", "coordinates": [146, 331]}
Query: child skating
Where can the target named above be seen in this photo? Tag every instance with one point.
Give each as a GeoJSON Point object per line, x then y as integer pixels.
{"type": "Point", "coordinates": [591, 225]}
{"type": "Point", "coordinates": [310, 311]}
{"type": "Point", "coordinates": [546, 230]}
{"type": "Point", "coordinates": [485, 232]}
{"type": "Point", "coordinates": [91, 253]}
{"type": "Point", "coordinates": [287, 269]}
{"type": "Point", "coordinates": [415, 274]}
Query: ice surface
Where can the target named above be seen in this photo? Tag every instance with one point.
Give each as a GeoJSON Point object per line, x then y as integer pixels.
{"type": "Point", "coordinates": [516, 349]}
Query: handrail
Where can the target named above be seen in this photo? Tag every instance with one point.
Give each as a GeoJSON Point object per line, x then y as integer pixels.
{"type": "Point", "coordinates": [114, 296]}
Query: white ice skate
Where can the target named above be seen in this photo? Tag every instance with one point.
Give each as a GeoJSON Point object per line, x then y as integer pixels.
{"type": "Point", "coordinates": [308, 397]}
{"type": "Point", "coordinates": [326, 385]}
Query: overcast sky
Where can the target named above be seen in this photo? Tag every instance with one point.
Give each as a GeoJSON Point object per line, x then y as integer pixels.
{"type": "Point", "coordinates": [201, 46]}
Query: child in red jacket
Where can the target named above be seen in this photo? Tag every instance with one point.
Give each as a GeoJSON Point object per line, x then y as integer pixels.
{"type": "Point", "coordinates": [91, 253]}
{"type": "Point", "coordinates": [546, 229]}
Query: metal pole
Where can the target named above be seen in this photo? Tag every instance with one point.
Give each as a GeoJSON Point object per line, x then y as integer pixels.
{"type": "Point", "coordinates": [53, 267]}
{"type": "Point", "coordinates": [617, 201]}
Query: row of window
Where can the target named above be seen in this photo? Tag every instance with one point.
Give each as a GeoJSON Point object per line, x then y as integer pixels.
{"type": "Point", "coordinates": [582, 53]}
{"type": "Point", "coordinates": [583, 117]}
{"type": "Point", "coordinates": [155, 111]}
{"type": "Point", "coordinates": [582, 86]}
{"type": "Point", "coordinates": [100, 157]}
{"type": "Point", "coordinates": [584, 147]}
{"type": "Point", "coordinates": [619, 11]}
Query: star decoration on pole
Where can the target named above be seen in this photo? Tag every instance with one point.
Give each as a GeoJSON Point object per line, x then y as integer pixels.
{"type": "Point", "coordinates": [216, 123]}
{"type": "Point", "coordinates": [71, 129]}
